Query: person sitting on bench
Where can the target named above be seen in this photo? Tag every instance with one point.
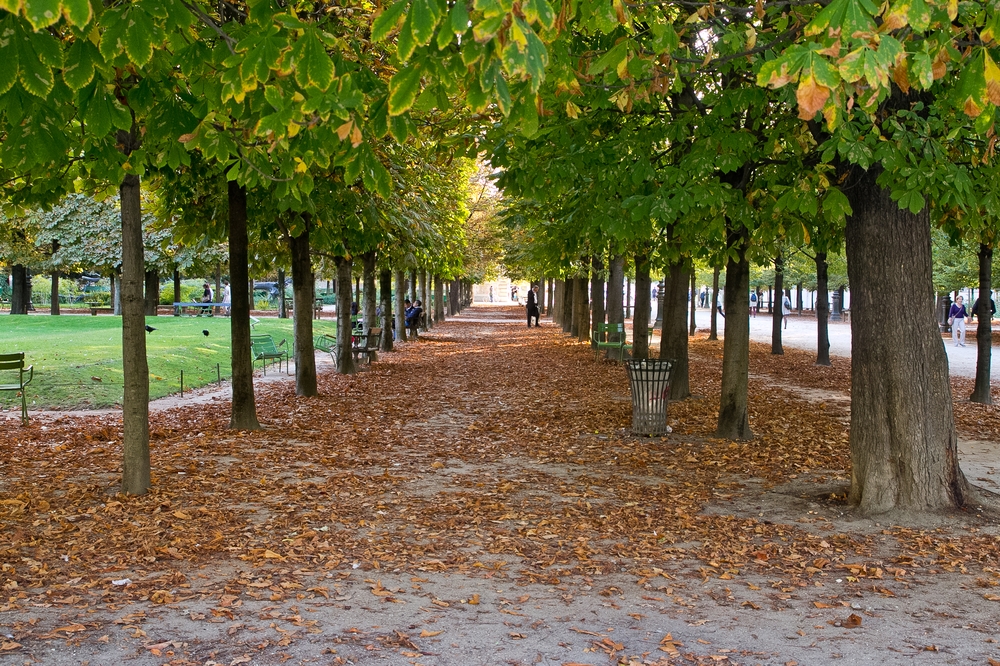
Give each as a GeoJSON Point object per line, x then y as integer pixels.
{"type": "Point", "coordinates": [413, 315]}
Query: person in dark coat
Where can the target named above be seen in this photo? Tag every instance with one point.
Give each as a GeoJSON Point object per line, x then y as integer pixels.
{"type": "Point", "coordinates": [532, 306]}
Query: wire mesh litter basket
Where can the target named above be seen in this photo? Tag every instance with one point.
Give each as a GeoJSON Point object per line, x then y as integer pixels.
{"type": "Point", "coordinates": [649, 382]}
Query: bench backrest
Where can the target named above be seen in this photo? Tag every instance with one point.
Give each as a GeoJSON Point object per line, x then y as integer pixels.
{"type": "Point", "coordinates": [12, 361]}
{"type": "Point", "coordinates": [374, 336]}
{"type": "Point", "coordinates": [263, 344]}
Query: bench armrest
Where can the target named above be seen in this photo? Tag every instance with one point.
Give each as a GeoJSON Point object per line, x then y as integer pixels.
{"type": "Point", "coordinates": [31, 374]}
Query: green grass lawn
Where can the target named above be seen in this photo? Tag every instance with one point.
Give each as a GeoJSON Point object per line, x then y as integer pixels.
{"type": "Point", "coordinates": [78, 359]}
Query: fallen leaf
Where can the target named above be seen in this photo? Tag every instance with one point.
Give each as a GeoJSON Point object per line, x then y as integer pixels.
{"type": "Point", "coordinates": [853, 621]}
{"type": "Point", "coordinates": [430, 634]}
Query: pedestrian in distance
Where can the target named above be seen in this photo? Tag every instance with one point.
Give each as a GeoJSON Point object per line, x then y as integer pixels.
{"type": "Point", "coordinates": [753, 303]}
{"type": "Point", "coordinates": [975, 308]}
{"type": "Point", "coordinates": [786, 308]}
{"type": "Point", "coordinates": [532, 306]}
{"type": "Point", "coordinates": [227, 298]}
{"type": "Point", "coordinates": [957, 317]}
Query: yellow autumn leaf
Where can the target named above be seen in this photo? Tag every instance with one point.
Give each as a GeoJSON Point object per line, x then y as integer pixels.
{"type": "Point", "coordinates": [430, 634]}
{"type": "Point", "coordinates": [811, 97]}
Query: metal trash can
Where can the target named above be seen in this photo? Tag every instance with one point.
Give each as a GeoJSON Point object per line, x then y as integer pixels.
{"type": "Point", "coordinates": [649, 382]}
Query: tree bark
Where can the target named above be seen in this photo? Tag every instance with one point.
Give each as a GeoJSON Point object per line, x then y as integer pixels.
{"type": "Point", "coordinates": [549, 296]}
{"type": "Point", "coordinates": [438, 298]}
{"type": "Point", "coordinates": [583, 334]}
{"type": "Point", "coordinates": [904, 452]}
{"type": "Point", "coordinates": [713, 333]}
{"type": "Point", "coordinates": [777, 311]}
{"type": "Point", "coordinates": [640, 319]}
{"type": "Point", "coordinates": [345, 327]}
{"type": "Point", "coordinates": [542, 291]}
{"type": "Point", "coordinates": [115, 289]}
{"type": "Point", "coordinates": [177, 289]}
{"type": "Point", "coordinates": [674, 335]}
{"type": "Point", "coordinates": [369, 299]}
{"type": "Point", "coordinates": [422, 281]}
{"type": "Point", "coordinates": [385, 296]}
{"type": "Point", "coordinates": [218, 288]}
{"type": "Point", "coordinates": [400, 314]}
{"type": "Point", "coordinates": [567, 308]}
{"type": "Point", "coordinates": [558, 290]}
{"type": "Point", "coordinates": [54, 293]}
{"type": "Point", "coordinates": [20, 294]}
{"type": "Point", "coordinates": [822, 311]}
{"type": "Point", "coordinates": [598, 310]}
{"type": "Point", "coordinates": [734, 422]}
{"type": "Point", "coordinates": [152, 297]}
{"type": "Point", "coordinates": [302, 308]}
{"type": "Point", "coordinates": [693, 295]}
{"type": "Point", "coordinates": [244, 409]}
{"type": "Point", "coordinates": [984, 328]}
{"type": "Point", "coordinates": [135, 403]}
{"type": "Point", "coordinates": [616, 286]}
{"type": "Point", "coordinates": [282, 301]}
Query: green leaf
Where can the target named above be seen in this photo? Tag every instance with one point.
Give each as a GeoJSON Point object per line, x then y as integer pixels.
{"type": "Point", "coordinates": [405, 43]}
{"type": "Point", "coordinates": [42, 13]}
{"type": "Point", "coordinates": [850, 16]}
{"type": "Point", "coordinates": [536, 59]}
{"type": "Point", "coordinates": [502, 95]}
{"type": "Point", "coordinates": [139, 36]}
{"type": "Point", "coordinates": [399, 128]}
{"type": "Point", "coordinates": [388, 20]}
{"type": "Point", "coordinates": [36, 77]}
{"type": "Point", "coordinates": [460, 17]}
{"type": "Point", "coordinates": [529, 118]}
{"type": "Point", "coordinates": [312, 64]}
{"type": "Point", "coordinates": [612, 59]}
{"type": "Point", "coordinates": [540, 11]}
{"type": "Point", "coordinates": [403, 89]}
{"type": "Point", "coordinates": [487, 28]}
{"type": "Point", "coordinates": [81, 59]}
{"type": "Point", "coordinates": [8, 54]}
{"type": "Point", "coordinates": [444, 37]}
{"type": "Point", "coordinates": [922, 70]}
{"type": "Point", "coordinates": [424, 16]}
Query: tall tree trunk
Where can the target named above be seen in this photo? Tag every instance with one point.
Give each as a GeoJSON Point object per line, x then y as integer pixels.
{"type": "Point", "coordinates": [567, 306]}
{"type": "Point", "coordinates": [798, 298]}
{"type": "Point", "coordinates": [713, 333]}
{"type": "Point", "coordinates": [558, 292]}
{"type": "Point", "coordinates": [577, 306]}
{"type": "Point", "coordinates": [20, 293]}
{"type": "Point", "coordinates": [400, 314]}
{"type": "Point", "coordinates": [733, 420]}
{"type": "Point", "coordinates": [541, 295]}
{"type": "Point", "coordinates": [692, 327]}
{"type": "Point", "coordinates": [583, 334]}
{"type": "Point", "coordinates": [904, 452]}
{"type": "Point", "coordinates": [244, 409]}
{"type": "Point", "coordinates": [424, 300]}
{"type": "Point", "coordinates": [984, 328]}
{"type": "Point", "coordinates": [674, 335]}
{"type": "Point", "coordinates": [302, 307]}
{"type": "Point", "coordinates": [135, 384]}
{"type": "Point", "coordinates": [282, 301]}
{"type": "Point", "coordinates": [116, 300]}
{"type": "Point", "coordinates": [369, 299]}
{"type": "Point", "coordinates": [345, 327]}
{"type": "Point", "coordinates": [549, 296]}
{"type": "Point", "coordinates": [822, 311]}
{"type": "Point", "coordinates": [412, 285]}
{"type": "Point", "coordinates": [385, 296]}
{"type": "Point", "coordinates": [54, 293]}
{"type": "Point", "coordinates": [777, 311]}
{"type": "Point", "coordinates": [616, 286]}
{"type": "Point", "coordinates": [640, 320]}
{"type": "Point", "coordinates": [152, 298]}
{"type": "Point", "coordinates": [598, 310]}
{"type": "Point", "coordinates": [438, 298]}
{"type": "Point", "coordinates": [177, 289]}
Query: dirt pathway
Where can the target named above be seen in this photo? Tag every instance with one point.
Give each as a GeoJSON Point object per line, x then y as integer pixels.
{"type": "Point", "coordinates": [474, 498]}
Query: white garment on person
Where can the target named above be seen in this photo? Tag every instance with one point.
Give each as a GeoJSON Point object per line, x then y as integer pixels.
{"type": "Point", "coordinates": [226, 295]}
{"type": "Point", "coordinates": [958, 331]}
{"type": "Point", "coordinates": [786, 306]}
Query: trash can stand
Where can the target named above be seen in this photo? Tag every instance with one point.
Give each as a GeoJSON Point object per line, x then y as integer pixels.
{"type": "Point", "coordinates": [649, 383]}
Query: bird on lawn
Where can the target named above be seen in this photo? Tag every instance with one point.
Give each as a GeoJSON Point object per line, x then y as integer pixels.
{"type": "Point", "coordinates": [205, 332]}
{"type": "Point", "coordinates": [149, 329]}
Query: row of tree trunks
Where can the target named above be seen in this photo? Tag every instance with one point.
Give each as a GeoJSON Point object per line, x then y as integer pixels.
{"type": "Point", "coordinates": [616, 282]}
{"type": "Point", "coordinates": [303, 285]}
{"type": "Point", "coordinates": [438, 298]}
{"type": "Point", "coordinates": [674, 334]}
{"type": "Point", "coordinates": [598, 309]}
{"type": "Point", "coordinates": [385, 292]}
{"type": "Point", "coordinates": [370, 298]}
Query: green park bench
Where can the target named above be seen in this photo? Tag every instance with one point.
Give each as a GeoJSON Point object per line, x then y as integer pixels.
{"type": "Point", "coordinates": [328, 344]}
{"type": "Point", "coordinates": [367, 345]}
{"type": "Point", "coordinates": [263, 349]}
{"type": "Point", "coordinates": [607, 337]}
{"type": "Point", "coordinates": [197, 308]}
{"type": "Point", "coordinates": [11, 367]}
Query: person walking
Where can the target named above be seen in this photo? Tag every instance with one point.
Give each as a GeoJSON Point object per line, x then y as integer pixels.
{"type": "Point", "coordinates": [753, 303]}
{"type": "Point", "coordinates": [227, 298]}
{"type": "Point", "coordinates": [956, 319]}
{"type": "Point", "coordinates": [786, 308]}
{"type": "Point", "coordinates": [532, 306]}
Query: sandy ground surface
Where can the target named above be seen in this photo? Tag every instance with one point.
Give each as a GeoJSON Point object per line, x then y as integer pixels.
{"type": "Point", "coordinates": [872, 610]}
